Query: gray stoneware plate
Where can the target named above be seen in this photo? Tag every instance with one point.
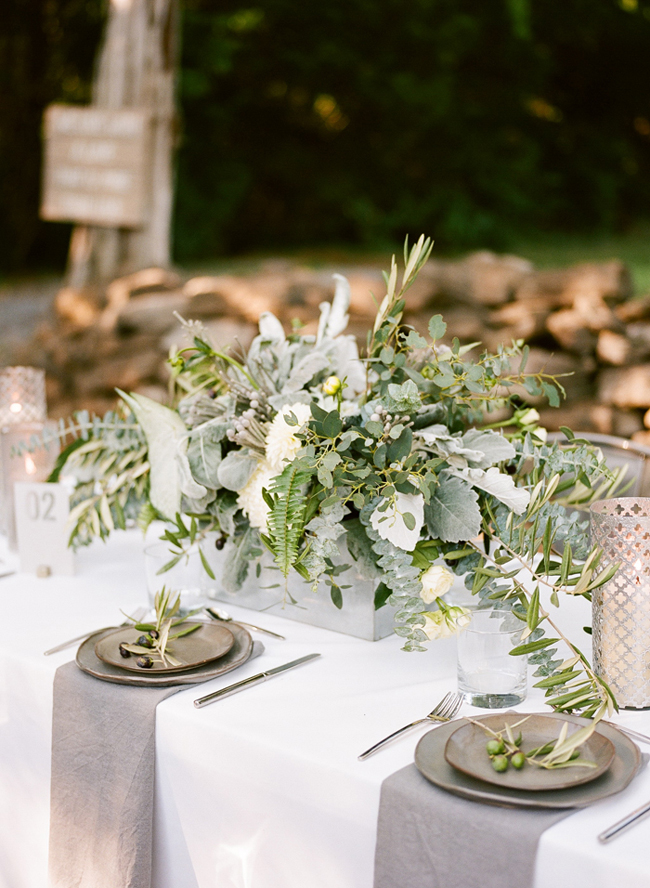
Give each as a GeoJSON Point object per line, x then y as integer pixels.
{"type": "Point", "coordinates": [89, 662]}
{"type": "Point", "coordinates": [465, 751]}
{"type": "Point", "coordinates": [430, 760]}
{"type": "Point", "coordinates": [210, 642]}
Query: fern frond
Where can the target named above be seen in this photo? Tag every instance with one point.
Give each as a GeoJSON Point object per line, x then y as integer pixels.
{"type": "Point", "coordinates": [286, 518]}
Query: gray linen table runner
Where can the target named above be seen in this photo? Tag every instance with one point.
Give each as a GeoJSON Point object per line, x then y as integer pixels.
{"type": "Point", "coordinates": [430, 838]}
{"type": "Point", "coordinates": [102, 784]}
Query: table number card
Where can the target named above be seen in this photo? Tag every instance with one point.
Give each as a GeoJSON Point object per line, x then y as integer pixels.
{"type": "Point", "coordinates": [42, 511]}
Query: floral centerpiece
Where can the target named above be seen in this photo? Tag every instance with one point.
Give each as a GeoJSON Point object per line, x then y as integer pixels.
{"type": "Point", "coordinates": [305, 449]}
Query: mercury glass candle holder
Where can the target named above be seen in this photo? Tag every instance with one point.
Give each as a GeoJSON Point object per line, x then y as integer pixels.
{"type": "Point", "coordinates": [22, 395]}
{"type": "Point", "coordinates": [22, 459]}
{"type": "Point", "coordinates": [621, 607]}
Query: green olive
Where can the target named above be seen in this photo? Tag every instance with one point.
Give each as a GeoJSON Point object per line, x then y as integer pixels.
{"type": "Point", "coordinates": [518, 760]}
{"type": "Point", "coordinates": [500, 763]}
{"type": "Point", "coordinates": [495, 747]}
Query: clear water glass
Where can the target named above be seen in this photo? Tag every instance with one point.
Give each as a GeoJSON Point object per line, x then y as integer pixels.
{"type": "Point", "coordinates": [188, 576]}
{"type": "Point", "coordinates": [488, 677]}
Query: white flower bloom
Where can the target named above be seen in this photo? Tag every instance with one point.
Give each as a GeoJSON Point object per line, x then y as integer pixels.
{"type": "Point", "coordinates": [436, 582]}
{"type": "Point", "coordinates": [529, 417]}
{"type": "Point", "coordinates": [540, 433]}
{"type": "Point", "coordinates": [445, 623]}
{"type": "Point", "coordinates": [281, 441]}
{"type": "Point", "coordinates": [250, 499]}
{"type": "Point", "coordinates": [331, 385]}
{"type": "Point", "coordinates": [391, 526]}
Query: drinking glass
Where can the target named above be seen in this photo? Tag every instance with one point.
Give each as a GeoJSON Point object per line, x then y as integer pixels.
{"type": "Point", "coordinates": [188, 576]}
{"type": "Point", "coordinates": [488, 676]}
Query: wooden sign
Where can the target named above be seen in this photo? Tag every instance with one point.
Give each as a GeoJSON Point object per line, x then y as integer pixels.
{"type": "Point", "coordinates": [42, 511]}
{"type": "Point", "coordinates": [95, 167]}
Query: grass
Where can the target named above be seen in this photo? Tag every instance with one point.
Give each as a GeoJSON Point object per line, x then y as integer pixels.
{"type": "Point", "coordinates": [554, 250]}
{"type": "Point", "coordinates": [557, 250]}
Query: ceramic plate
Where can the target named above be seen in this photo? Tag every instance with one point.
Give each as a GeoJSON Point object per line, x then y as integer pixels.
{"type": "Point", "coordinates": [430, 760]}
{"type": "Point", "coordinates": [89, 662]}
{"type": "Point", "coordinates": [209, 642]}
{"type": "Point", "coordinates": [465, 751]}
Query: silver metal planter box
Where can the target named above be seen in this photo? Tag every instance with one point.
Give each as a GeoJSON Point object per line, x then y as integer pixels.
{"type": "Point", "coordinates": [357, 617]}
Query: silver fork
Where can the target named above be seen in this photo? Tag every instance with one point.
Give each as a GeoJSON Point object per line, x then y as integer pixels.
{"type": "Point", "coordinates": [137, 616]}
{"type": "Point", "coordinates": [443, 712]}
{"type": "Point", "coordinates": [221, 615]}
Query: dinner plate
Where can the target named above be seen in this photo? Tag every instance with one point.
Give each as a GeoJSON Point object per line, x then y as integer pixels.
{"type": "Point", "coordinates": [465, 750]}
{"type": "Point", "coordinates": [88, 661]}
{"type": "Point", "coordinates": [431, 762]}
{"type": "Point", "coordinates": [209, 642]}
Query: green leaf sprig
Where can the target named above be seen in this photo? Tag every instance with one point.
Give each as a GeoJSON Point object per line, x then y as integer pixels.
{"type": "Point", "coordinates": [159, 633]}
{"type": "Point", "coordinates": [504, 748]}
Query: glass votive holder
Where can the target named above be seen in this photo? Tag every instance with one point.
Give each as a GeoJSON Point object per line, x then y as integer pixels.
{"type": "Point", "coordinates": [187, 577]}
{"type": "Point", "coordinates": [28, 452]}
{"type": "Point", "coordinates": [22, 395]}
{"type": "Point", "coordinates": [488, 677]}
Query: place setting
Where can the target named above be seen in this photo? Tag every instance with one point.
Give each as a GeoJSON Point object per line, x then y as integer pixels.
{"type": "Point", "coordinates": [166, 652]}
{"type": "Point", "coordinates": [479, 779]}
{"type": "Point", "coordinates": [118, 678]}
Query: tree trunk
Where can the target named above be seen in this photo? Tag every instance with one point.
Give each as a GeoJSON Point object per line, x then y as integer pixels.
{"type": "Point", "coordinates": [136, 69]}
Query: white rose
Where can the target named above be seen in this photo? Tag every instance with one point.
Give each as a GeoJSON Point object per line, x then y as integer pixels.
{"type": "Point", "coordinates": [529, 417]}
{"type": "Point", "coordinates": [436, 582]}
{"type": "Point", "coordinates": [445, 623]}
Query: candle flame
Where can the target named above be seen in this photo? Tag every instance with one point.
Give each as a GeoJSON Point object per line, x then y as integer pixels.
{"type": "Point", "coordinates": [16, 407]}
{"type": "Point", "coordinates": [30, 465]}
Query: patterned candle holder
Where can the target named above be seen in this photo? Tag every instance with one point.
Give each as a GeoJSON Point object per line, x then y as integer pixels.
{"type": "Point", "coordinates": [621, 607]}
{"type": "Point", "coordinates": [22, 460]}
{"type": "Point", "coordinates": [22, 395]}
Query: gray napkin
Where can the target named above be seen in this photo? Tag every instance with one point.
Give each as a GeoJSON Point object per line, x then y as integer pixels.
{"type": "Point", "coordinates": [101, 810]}
{"type": "Point", "coordinates": [430, 838]}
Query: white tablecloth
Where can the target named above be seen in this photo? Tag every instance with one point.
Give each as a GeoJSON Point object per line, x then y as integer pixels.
{"type": "Point", "coordinates": [263, 789]}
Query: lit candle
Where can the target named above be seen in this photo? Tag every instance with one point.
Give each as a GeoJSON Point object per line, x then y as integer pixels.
{"type": "Point", "coordinates": [22, 395]}
{"type": "Point", "coordinates": [22, 461]}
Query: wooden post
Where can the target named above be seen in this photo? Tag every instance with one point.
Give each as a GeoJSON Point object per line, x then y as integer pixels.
{"type": "Point", "coordinates": [136, 69]}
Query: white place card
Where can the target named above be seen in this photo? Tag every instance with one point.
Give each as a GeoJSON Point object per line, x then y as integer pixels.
{"type": "Point", "coordinates": [42, 511]}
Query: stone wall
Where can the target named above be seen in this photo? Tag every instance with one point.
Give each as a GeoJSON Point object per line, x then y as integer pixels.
{"type": "Point", "coordinates": [581, 322]}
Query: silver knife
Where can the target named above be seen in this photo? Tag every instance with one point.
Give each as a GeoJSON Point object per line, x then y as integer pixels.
{"type": "Point", "coordinates": [636, 735]}
{"type": "Point", "coordinates": [250, 682]}
{"type": "Point", "coordinates": [624, 824]}
{"type": "Point", "coordinates": [70, 642]}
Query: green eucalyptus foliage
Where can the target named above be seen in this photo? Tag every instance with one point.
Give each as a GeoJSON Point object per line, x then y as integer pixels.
{"type": "Point", "coordinates": [393, 464]}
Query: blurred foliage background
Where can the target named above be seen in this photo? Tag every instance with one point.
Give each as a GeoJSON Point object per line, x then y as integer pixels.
{"type": "Point", "coordinates": [485, 123]}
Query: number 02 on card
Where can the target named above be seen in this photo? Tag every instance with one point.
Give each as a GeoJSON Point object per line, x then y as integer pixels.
{"type": "Point", "coordinates": [42, 528]}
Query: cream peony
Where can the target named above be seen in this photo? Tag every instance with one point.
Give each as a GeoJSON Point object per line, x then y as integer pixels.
{"type": "Point", "coordinates": [436, 581]}
{"type": "Point", "coordinates": [281, 441]}
{"type": "Point", "coordinates": [250, 499]}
